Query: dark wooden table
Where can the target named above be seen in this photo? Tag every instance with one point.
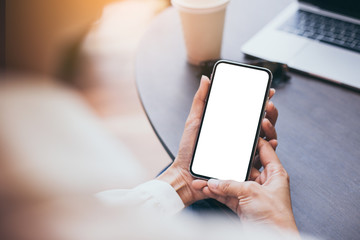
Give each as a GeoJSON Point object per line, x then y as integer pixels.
{"type": "Point", "coordinates": [318, 126]}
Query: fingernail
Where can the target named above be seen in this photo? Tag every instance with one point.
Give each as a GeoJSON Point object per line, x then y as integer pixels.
{"type": "Point", "coordinates": [204, 77]}
{"type": "Point", "coordinates": [213, 183]}
{"type": "Point", "coordinates": [271, 104]}
{"type": "Point", "coordinates": [273, 89]}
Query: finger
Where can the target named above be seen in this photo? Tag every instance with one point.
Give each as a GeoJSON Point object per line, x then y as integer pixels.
{"type": "Point", "coordinates": [193, 121]}
{"type": "Point", "coordinates": [271, 113]}
{"type": "Point", "coordinates": [230, 188]}
{"type": "Point", "coordinates": [271, 92]}
{"type": "Point", "coordinates": [256, 162]}
{"type": "Point", "coordinates": [200, 98]}
{"type": "Point", "coordinates": [268, 129]}
{"type": "Point", "coordinates": [206, 191]}
{"type": "Point", "coordinates": [267, 153]}
{"type": "Point", "coordinates": [231, 202]}
{"type": "Point", "coordinates": [273, 143]}
{"type": "Point", "coordinates": [270, 108]}
{"type": "Point", "coordinates": [254, 174]}
{"type": "Point", "coordinates": [262, 134]}
{"type": "Point", "coordinates": [199, 184]}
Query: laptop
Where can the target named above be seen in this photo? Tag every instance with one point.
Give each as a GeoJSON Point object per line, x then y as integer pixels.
{"type": "Point", "coordinates": [318, 37]}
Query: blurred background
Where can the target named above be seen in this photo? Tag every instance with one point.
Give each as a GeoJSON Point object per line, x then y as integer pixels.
{"type": "Point", "coordinates": [85, 49]}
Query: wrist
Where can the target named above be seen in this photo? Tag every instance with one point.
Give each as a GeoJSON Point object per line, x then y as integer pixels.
{"type": "Point", "coordinates": [176, 179]}
{"type": "Point", "coordinates": [287, 223]}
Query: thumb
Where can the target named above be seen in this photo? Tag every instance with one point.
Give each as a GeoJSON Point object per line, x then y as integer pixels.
{"type": "Point", "coordinates": [230, 188]}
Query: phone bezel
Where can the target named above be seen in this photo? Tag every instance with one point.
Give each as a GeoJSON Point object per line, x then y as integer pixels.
{"type": "Point", "coordinates": [266, 95]}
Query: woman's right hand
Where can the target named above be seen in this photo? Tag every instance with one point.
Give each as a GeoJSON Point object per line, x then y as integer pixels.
{"type": "Point", "coordinates": [266, 199]}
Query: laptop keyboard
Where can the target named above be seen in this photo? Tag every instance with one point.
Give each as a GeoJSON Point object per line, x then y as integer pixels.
{"type": "Point", "coordinates": [324, 29]}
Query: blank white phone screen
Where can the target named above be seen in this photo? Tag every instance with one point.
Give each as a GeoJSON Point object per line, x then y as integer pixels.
{"type": "Point", "coordinates": [230, 123]}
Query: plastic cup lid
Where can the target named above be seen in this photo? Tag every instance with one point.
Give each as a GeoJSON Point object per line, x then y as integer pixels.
{"type": "Point", "coordinates": [199, 6]}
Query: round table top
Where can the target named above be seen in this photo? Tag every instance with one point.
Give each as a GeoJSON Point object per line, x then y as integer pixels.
{"type": "Point", "coordinates": [318, 127]}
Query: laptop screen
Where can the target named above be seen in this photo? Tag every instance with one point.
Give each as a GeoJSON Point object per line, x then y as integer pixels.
{"type": "Point", "coordinates": [344, 7]}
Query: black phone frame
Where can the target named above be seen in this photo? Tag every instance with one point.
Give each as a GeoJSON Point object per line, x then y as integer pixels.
{"type": "Point", "coordinates": [260, 118]}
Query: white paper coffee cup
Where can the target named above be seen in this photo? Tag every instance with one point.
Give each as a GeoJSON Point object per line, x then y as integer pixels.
{"type": "Point", "coordinates": [203, 25]}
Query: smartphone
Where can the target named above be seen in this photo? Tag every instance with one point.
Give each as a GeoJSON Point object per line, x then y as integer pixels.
{"type": "Point", "coordinates": [230, 125]}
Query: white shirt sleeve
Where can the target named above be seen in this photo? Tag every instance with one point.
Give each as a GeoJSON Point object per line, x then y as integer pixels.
{"type": "Point", "coordinates": [152, 195]}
